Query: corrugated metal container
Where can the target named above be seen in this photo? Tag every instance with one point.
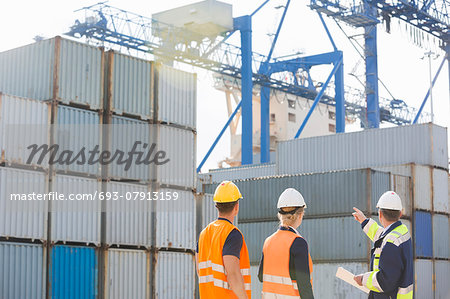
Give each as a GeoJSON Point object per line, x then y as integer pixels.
{"type": "Point", "coordinates": [402, 186]}
{"type": "Point", "coordinates": [77, 129]}
{"type": "Point", "coordinates": [423, 234]}
{"type": "Point", "coordinates": [423, 279]}
{"type": "Point", "coordinates": [76, 220]}
{"type": "Point", "coordinates": [422, 144]}
{"type": "Point", "coordinates": [209, 211]}
{"type": "Point", "coordinates": [127, 274]}
{"type": "Point", "coordinates": [23, 218]}
{"type": "Point", "coordinates": [176, 96]}
{"type": "Point", "coordinates": [54, 68]}
{"type": "Point", "coordinates": [321, 191]}
{"type": "Point", "coordinates": [180, 148]}
{"type": "Point", "coordinates": [441, 274]}
{"type": "Point", "coordinates": [256, 284]}
{"type": "Point", "coordinates": [23, 271]}
{"type": "Point", "coordinates": [440, 191]}
{"type": "Point", "coordinates": [327, 285]}
{"type": "Point", "coordinates": [128, 219]}
{"type": "Point", "coordinates": [241, 173]}
{"type": "Point", "coordinates": [319, 233]}
{"type": "Point", "coordinates": [131, 85]}
{"type": "Point", "coordinates": [124, 133]}
{"type": "Point", "coordinates": [175, 219]}
{"type": "Point", "coordinates": [441, 236]}
{"type": "Point", "coordinates": [422, 187]}
{"type": "Point", "coordinates": [175, 275]}
{"type": "Point", "coordinates": [23, 122]}
{"type": "Point", "coordinates": [73, 272]}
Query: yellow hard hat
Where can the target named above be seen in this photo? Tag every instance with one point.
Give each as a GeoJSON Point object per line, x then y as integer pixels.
{"type": "Point", "coordinates": [227, 192]}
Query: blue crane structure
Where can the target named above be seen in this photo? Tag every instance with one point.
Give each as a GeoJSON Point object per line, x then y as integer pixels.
{"type": "Point", "coordinates": [115, 26]}
{"type": "Point", "coordinates": [431, 16]}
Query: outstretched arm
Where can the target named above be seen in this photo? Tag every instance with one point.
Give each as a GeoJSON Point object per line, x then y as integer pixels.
{"type": "Point", "coordinates": [369, 226]}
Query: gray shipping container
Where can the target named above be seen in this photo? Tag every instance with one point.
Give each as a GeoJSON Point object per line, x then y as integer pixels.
{"type": "Point", "coordinates": [130, 83]}
{"type": "Point", "coordinates": [128, 218]}
{"type": "Point", "coordinates": [349, 241]}
{"type": "Point", "coordinates": [209, 211]}
{"type": "Point", "coordinates": [440, 191]}
{"type": "Point", "coordinates": [22, 218]}
{"type": "Point", "coordinates": [75, 220]}
{"type": "Point", "coordinates": [441, 236]}
{"type": "Point", "coordinates": [256, 284]}
{"type": "Point", "coordinates": [240, 173]}
{"type": "Point", "coordinates": [175, 275]}
{"type": "Point", "coordinates": [55, 68]}
{"type": "Point", "coordinates": [327, 285]}
{"type": "Point", "coordinates": [180, 148]}
{"type": "Point", "coordinates": [333, 193]}
{"type": "Point", "coordinates": [74, 130]}
{"type": "Point", "coordinates": [23, 271]}
{"type": "Point", "coordinates": [175, 219]}
{"type": "Point", "coordinates": [422, 144]}
{"type": "Point", "coordinates": [441, 274]}
{"type": "Point", "coordinates": [176, 96]}
{"type": "Point", "coordinates": [124, 133]}
{"type": "Point", "coordinates": [23, 122]}
{"type": "Point", "coordinates": [127, 274]}
{"type": "Point", "coordinates": [423, 278]}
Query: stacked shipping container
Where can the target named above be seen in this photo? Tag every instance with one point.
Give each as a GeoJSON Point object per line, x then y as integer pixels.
{"type": "Point", "coordinates": [82, 97]}
{"type": "Point", "coordinates": [411, 160]}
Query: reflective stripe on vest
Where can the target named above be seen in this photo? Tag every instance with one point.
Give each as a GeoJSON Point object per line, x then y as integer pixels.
{"type": "Point", "coordinates": [277, 296]}
{"type": "Point", "coordinates": [405, 293]}
{"type": "Point", "coordinates": [276, 277]}
{"type": "Point", "coordinates": [213, 281]}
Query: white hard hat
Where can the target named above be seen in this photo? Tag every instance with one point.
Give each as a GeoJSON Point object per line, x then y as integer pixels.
{"type": "Point", "coordinates": [390, 200]}
{"type": "Point", "coordinates": [291, 198]}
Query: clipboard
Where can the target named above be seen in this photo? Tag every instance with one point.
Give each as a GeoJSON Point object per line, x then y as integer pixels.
{"type": "Point", "coordinates": [347, 276]}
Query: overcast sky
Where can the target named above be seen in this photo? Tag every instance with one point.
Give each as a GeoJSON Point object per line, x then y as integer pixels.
{"type": "Point", "coordinates": [400, 65]}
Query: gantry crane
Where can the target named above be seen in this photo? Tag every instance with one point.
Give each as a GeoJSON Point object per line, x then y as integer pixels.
{"type": "Point", "coordinates": [430, 16]}
{"type": "Point", "coordinates": [110, 25]}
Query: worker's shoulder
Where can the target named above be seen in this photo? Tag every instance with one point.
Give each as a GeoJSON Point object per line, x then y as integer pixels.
{"type": "Point", "coordinates": [299, 243]}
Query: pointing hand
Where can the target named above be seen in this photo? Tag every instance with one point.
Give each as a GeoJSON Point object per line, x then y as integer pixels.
{"type": "Point", "coordinates": [359, 216]}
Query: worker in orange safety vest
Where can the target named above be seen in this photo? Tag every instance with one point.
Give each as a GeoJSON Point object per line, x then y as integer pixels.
{"type": "Point", "coordinates": [286, 266]}
{"type": "Point", "coordinates": [223, 264]}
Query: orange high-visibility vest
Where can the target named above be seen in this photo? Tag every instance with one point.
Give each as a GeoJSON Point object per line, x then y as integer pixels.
{"type": "Point", "coordinates": [277, 282]}
{"type": "Point", "coordinates": [213, 281]}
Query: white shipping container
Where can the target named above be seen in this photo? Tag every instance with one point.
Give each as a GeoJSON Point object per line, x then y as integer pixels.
{"type": "Point", "coordinates": [209, 211]}
{"type": "Point", "coordinates": [127, 274]}
{"type": "Point", "coordinates": [128, 218]}
{"type": "Point", "coordinates": [22, 272]}
{"type": "Point", "coordinates": [256, 284]}
{"type": "Point", "coordinates": [75, 130]}
{"type": "Point", "coordinates": [23, 123]}
{"type": "Point", "coordinates": [176, 96]}
{"type": "Point", "coordinates": [440, 191]}
{"type": "Point", "coordinates": [242, 172]}
{"type": "Point", "coordinates": [327, 285]}
{"type": "Point", "coordinates": [423, 279]}
{"type": "Point", "coordinates": [175, 275]}
{"type": "Point", "coordinates": [124, 134]}
{"type": "Point", "coordinates": [442, 273]}
{"type": "Point", "coordinates": [422, 187]}
{"type": "Point", "coordinates": [22, 218]}
{"type": "Point", "coordinates": [131, 85]}
{"type": "Point", "coordinates": [75, 220]}
{"type": "Point", "coordinates": [402, 186]}
{"type": "Point", "coordinates": [421, 144]}
{"type": "Point", "coordinates": [54, 68]}
{"type": "Point", "coordinates": [175, 219]}
{"type": "Point", "coordinates": [180, 148]}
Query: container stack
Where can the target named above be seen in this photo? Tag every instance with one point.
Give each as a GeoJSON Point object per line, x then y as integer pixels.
{"type": "Point", "coordinates": [138, 222]}
{"type": "Point", "coordinates": [409, 160]}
